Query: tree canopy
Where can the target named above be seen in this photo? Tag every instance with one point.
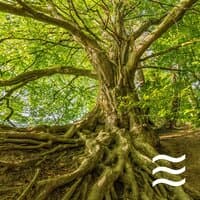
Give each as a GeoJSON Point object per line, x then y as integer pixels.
{"type": "Point", "coordinates": [41, 57]}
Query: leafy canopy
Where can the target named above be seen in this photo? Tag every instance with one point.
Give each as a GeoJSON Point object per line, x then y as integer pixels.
{"type": "Point", "coordinates": [28, 45]}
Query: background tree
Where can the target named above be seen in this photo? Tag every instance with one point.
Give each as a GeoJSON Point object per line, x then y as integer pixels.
{"type": "Point", "coordinates": [100, 46]}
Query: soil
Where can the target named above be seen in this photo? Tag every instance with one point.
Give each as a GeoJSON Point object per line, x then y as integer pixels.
{"type": "Point", "coordinates": [173, 142]}
{"type": "Point", "coordinates": [184, 141]}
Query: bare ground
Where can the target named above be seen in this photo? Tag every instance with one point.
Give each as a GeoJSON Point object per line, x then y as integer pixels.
{"type": "Point", "coordinates": [184, 141]}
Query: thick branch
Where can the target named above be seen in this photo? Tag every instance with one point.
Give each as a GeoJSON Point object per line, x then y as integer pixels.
{"type": "Point", "coordinates": [145, 26]}
{"type": "Point", "coordinates": [27, 11]}
{"type": "Point", "coordinates": [36, 74]}
{"type": "Point", "coordinates": [93, 48]}
{"type": "Point", "coordinates": [174, 16]}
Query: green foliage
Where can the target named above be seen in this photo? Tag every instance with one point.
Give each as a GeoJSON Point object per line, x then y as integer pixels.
{"type": "Point", "coordinates": [27, 45]}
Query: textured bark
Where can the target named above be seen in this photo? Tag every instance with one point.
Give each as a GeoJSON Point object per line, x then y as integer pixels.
{"type": "Point", "coordinates": [115, 159]}
{"type": "Point", "coordinates": [37, 74]}
{"type": "Point", "coordinates": [116, 151]}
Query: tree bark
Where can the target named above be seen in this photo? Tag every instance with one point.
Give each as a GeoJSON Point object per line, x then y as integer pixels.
{"type": "Point", "coordinates": [115, 148]}
{"type": "Point", "coordinates": [116, 152]}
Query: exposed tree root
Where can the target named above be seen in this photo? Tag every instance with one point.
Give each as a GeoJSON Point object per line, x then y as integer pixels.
{"type": "Point", "coordinates": [114, 165]}
{"type": "Point", "coordinates": [29, 186]}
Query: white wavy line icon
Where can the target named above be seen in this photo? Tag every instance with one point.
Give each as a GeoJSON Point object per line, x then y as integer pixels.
{"type": "Point", "coordinates": [168, 158]}
{"type": "Point", "coordinates": [168, 182]}
{"type": "Point", "coordinates": [168, 170]}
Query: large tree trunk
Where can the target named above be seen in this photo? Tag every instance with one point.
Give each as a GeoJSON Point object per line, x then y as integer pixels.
{"type": "Point", "coordinates": [120, 108]}
{"type": "Point", "coordinates": [115, 159]}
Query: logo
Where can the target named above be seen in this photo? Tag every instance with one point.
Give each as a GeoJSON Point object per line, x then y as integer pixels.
{"type": "Point", "coordinates": [168, 170]}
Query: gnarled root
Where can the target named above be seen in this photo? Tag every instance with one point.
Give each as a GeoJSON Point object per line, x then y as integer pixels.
{"type": "Point", "coordinates": [112, 166]}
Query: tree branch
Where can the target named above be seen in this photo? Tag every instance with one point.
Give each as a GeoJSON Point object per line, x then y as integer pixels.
{"type": "Point", "coordinates": [171, 49]}
{"type": "Point", "coordinates": [102, 63]}
{"type": "Point", "coordinates": [144, 27]}
{"type": "Point", "coordinates": [163, 68]}
{"type": "Point", "coordinates": [174, 16]}
{"type": "Point", "coordinates": [10, 114]}
{"type": "Point", "coordinates": [43, 41]}
{"type": "Point", "coordinates": [27, 11]}
{"type": "Point", "coordinates": [76, 12]}
{"type": "Point", "coordinates": [36, 74]}
{"type": "Point", "coordinates": [13, 89]}
{"type": "Point", "coordinates": [170, 69]}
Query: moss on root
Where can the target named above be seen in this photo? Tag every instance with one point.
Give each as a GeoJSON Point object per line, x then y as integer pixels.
{"type": "Point", "coordinates": [102, 165]}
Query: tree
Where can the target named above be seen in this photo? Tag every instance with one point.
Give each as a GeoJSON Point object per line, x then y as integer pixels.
{"type": "Point", "coordinates": [115, 37]}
